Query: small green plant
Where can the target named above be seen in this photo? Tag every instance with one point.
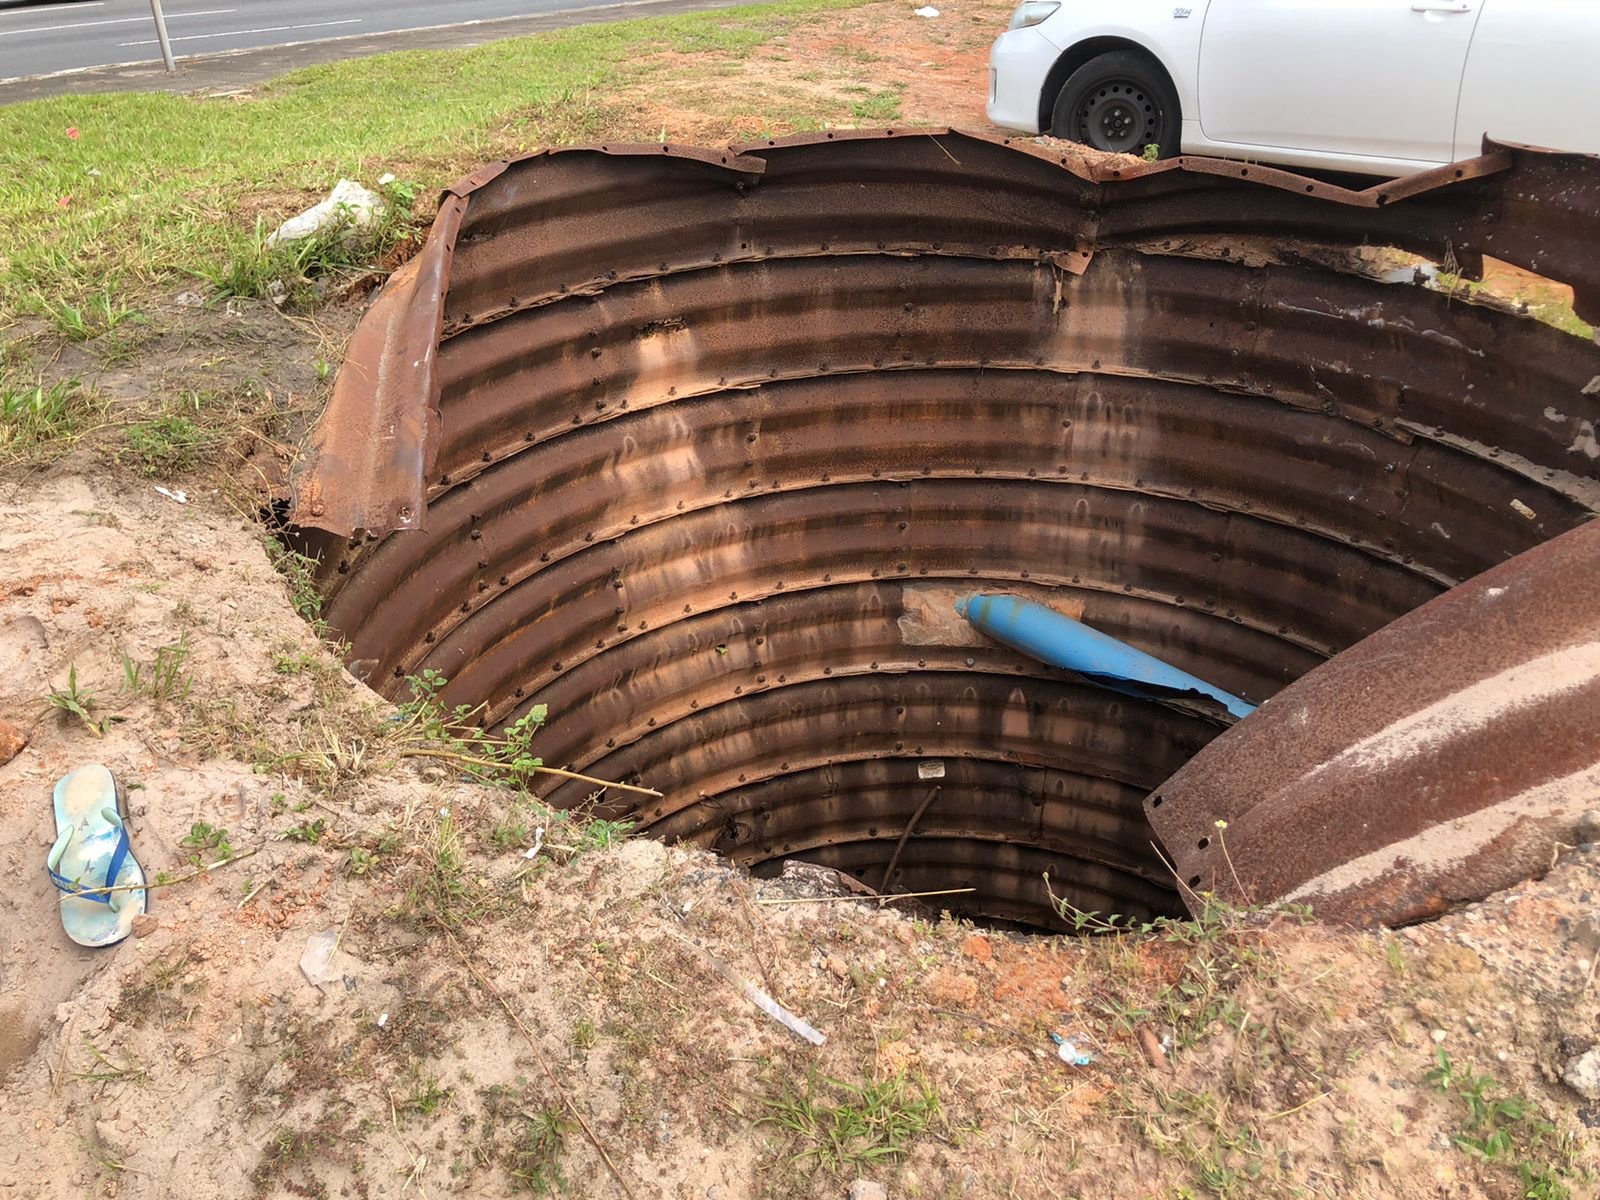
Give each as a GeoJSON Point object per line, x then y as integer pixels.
{"type": "Point", "coordinates": [601, 834]}
{"type": "Point", "coordinates": [535, 1158]}
{"type": "Point", "coordinates": [162, 679]}
{"type": "Point", "coordinates": [293, 662]}
{"type": "Point", "coordinates": [842, 1126]}
{"type": "Point", "coordinates": [1152, 152]}
{"type": "Point", "coordinates": [427, 1098]}
{"type": "Point", "coordinates": [100, 315]}
{"type": "Point", "coordinates": [583, 1034]}
{"type": "Point", "coordinates": [1500, 1128]}
{"type": "Point", "coordinates": [205, 839]}
{"type": "Point", "coordinates": [361, 861]}
{"type": "Point", "coordinates": [311, 832]}
{"type": "Point", "coordinates": [299, 571]}
{"type": "Point", "coordinates": [77, 701]}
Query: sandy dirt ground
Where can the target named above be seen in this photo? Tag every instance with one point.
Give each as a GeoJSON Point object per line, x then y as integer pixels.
{"type": "Point", "coordinates": [519, 1002]}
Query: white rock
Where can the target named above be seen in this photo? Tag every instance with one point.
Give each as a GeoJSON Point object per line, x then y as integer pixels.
{"type": "Point", "coordinates": [348, 204]}
{"type": "Point", "coordinates": [865, 1189]}
{"type": "Point", "coordinates": [1582, 1074]}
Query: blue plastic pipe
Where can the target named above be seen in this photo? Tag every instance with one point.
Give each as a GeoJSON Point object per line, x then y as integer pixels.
{"type": "Point", "coordinates": [1059, 641]}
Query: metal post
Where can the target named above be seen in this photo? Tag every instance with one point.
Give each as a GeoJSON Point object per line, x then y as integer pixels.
{"type": "Point", "coordinates": [161, 34]}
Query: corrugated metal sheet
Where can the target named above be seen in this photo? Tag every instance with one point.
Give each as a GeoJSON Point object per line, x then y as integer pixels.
{"type": "Point", "coordinates": [706, 443]}
{"type": "Point", "coordinates": [1442, 758]}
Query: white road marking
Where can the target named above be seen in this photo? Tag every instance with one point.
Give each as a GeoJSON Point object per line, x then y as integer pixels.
{"type": "Point", "coordinates": [195, 37]}
{"type": "Point", "coordinates": [210, 12]}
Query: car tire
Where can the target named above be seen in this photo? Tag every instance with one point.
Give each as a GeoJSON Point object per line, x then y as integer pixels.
{"type": "Point", "coordinates": [1120, 102]}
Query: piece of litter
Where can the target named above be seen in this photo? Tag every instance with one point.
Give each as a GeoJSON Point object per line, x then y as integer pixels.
{"type": "Point", "coordinates": [538, 841]}
{"type": "Point", "coordinates": [181, 496]}
{"type": "Point", "coordinates": [316, 964]}
{"type": "Point", "coordinates": [383, 1019]}
{"type": "Point", "coordinates": [927, 10]}
{"type": "Point", "coordinates": [1068, 1052]}
{"type": "Point", "coordinates": [932, 768]}
{"type": "Point", "coordinates": [348, 204]}
{"type": "Point", "coordinates": [1523, 510]}
{"type": "Point", "coordinates": [386, 179]}
{"type": "Point", "coordinates": [189, 300]}
{"type": "Point", "coordinates": [755, 995]}
{"type": "Point", "coordinates": [781, 1014]}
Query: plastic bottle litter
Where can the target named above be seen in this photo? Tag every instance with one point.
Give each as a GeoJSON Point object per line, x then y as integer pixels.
{"type": "Point", "coordinates": [927, 10]}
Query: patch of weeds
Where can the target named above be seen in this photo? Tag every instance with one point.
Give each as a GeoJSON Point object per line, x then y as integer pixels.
{"type": "Point", "coordinates": [438, 887]}
{"type": "Point", "coordinates": [1506, 1130]}
{"type": "Point", "coordinates": [1152, 152]}
{"type": "Point", "coordinates": [311, 832]}
{"type": "Point", "coordinates": [293, 662]}
{"type": "Point", "coordinates": [534, 1161]}
{"type": "Point", "coordinates": [362, 861]}
{"type": "Point", "coordinates": [877, 107]}
{"type": "Point", "coordinates": [299, 573]}
{"type": "Point", "coordinates": [298, 274]}
{"type": "Point", "coordinates": [600, 834]}
{"type": "Point", "coordinates": [79, 702]}
{"type": "Point", "coordinates": [205, 839]}
{"type": "Point", "coordinates": [100, 314]}
{"type": "Point", "coordinates": [584, 1036]}
{"type": "Point", "coordinates": [1395, 955]}
{"type": "Point", "coordinates": [37, 414]}
{"type": "Point", "coordinates": [1221, 949]}
{"type": "Point", "coordinates": [841, 1126]}
{"type": "Point", "coordinates": [153, 994]}
{"type": "Point", "coordinates": [107, 1071]}
{"type": "Point", "coordinates": [424, 724]}
{"type": "Point", "coordinates": [426, 1098]}
{"type": "Point", "coordinates": [1224, 1156]}
{"type": "Point", "coordinates": [165, 445]}
{"type": "Point", "coordinates": [162, 679]}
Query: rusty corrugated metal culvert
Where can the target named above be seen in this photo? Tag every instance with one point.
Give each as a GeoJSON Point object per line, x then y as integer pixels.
{"type": "Point", "coordinates": [700, 448]}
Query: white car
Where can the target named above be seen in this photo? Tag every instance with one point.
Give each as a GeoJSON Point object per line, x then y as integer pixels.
{"type": "Point", "coordinates": [1383, 87]}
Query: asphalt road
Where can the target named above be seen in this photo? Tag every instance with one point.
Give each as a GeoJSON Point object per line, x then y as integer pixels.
{"type": "Point", "coordinates": [48, 38]}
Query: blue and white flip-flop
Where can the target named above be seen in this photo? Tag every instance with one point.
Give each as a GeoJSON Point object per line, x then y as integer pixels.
{"type": "Point", "coordinates": [91, 854]}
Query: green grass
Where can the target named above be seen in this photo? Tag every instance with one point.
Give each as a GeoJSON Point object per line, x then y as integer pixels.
{"type": "Point", "coordinates": [841, 1126]}
{"type": "Point", "coordinates": [34, 413]}
{"type": "Point", "coordinates": [162, 187]}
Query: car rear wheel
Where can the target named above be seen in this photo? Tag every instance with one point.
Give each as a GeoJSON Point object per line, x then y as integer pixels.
{"type": "Point", "coordinates": [1121, 102]}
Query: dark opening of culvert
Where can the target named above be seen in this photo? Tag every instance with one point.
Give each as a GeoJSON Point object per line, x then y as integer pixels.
{"type": "Point", "coordinates": [701, 449]}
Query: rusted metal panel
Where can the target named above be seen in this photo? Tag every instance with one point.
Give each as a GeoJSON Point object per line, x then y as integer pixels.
{"type": "Point", "coordinates": [382, 423]}
{"type": "Point", "coordinates": [707, 442]}
{"type": "Point", "coordinates": [1442, 758]}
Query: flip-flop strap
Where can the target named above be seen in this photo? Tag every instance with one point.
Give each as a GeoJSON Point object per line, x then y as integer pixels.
{"type": "Point", "coordinates": [118, 857]}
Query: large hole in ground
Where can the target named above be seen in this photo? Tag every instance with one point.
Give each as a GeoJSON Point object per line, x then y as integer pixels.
{"type": "Point", "coordinates": [710, 481]}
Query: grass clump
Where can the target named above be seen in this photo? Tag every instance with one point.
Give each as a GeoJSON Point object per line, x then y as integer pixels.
{"type": "Point", "coordinates": [165, 445]}
{"type": "Point", "coordinates": [34, 414]}
{"type": "Point", "coordinates": [838, 1126]}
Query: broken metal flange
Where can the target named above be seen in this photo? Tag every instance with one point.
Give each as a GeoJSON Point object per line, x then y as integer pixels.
{"type": "Point", "coordinates": [699, 448]}
{"type": "Point", "coordinates": [1445, 757]}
